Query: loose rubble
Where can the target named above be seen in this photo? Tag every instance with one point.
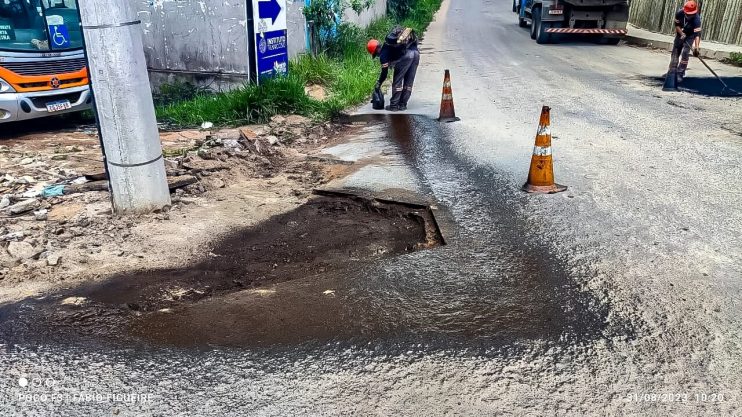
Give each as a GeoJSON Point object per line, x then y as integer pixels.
{"type": "Point", "coordinates": [55, 213]}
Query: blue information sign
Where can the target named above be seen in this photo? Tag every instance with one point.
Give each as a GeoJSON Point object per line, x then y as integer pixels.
{"type": "Point", "coordinates": [273, 54]}
{"type": "Point", "coordinates": [271, 38]}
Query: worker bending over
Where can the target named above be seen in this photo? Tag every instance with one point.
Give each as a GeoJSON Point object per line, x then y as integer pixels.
{"type": "Point", "coordinates": [400, 52]}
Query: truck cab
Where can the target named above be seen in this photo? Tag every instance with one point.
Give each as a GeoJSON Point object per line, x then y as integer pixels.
{"type": "Point", "coordinates": [549, 18]}
{"type": "Point", "coordinates": [43, 69]}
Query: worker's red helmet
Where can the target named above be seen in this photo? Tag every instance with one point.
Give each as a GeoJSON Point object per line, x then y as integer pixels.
{"type": "Point", "coordinates": [690, 7]}
{"type": "Point", "coordinates": [373, 47]}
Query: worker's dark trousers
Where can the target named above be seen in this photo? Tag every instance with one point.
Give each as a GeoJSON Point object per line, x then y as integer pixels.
{"type": "Point", "coordinates": [404, 77]}
{"type": "Point", "coordinates": [682, 49]}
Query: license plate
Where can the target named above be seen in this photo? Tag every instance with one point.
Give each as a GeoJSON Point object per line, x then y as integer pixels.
{"type": "Point", "coordinates": [556, 11]}
{"type": "Point", "coordinates": [53, 106]}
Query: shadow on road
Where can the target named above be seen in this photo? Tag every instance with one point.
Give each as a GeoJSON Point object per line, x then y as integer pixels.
{"type": "Point", "coordinates": [709, 86]}
{"type": "Point", "coordinates": [705, 86]}
{"type": "Point", "coordinates": [63, 123]}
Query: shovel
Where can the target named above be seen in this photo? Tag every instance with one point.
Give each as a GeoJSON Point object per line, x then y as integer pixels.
{"type": "Point", "coordinates": [726, 87]}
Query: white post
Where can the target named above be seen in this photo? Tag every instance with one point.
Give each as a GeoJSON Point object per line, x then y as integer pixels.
{"type": "Point", "coordinates": [123, 102]}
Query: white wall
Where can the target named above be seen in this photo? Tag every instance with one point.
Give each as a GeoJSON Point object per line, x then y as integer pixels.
{"type": "Point", "coordinates": [367, 16]}
{"type": "Point", "coordinates": [195, 39]}
{"type": "Point", "coordinates": [296, 25]}
{"type": "Point", "coordinates": [195, 35]}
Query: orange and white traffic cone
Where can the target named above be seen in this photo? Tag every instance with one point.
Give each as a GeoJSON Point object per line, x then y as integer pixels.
{"type": "Point", "coordinates": [448, 114]}
{"type": "Point", "coordinates": [541, 174]}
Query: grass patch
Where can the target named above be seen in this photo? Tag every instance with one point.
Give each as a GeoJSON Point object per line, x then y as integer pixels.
{"type": "Point", "coordinates": [735, 58]}
{"type": "Point", "coordinates": [248, 104]}
{"type": "Point", "coordinates": [319, 70]}
{"type": "Point", "coordinates": [345, 70]}
{"type": "Point", "coordinates": [177, 92]}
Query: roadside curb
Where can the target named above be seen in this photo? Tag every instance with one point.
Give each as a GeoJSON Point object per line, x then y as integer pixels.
{"type": "Point", "coordinates": [667, 46]}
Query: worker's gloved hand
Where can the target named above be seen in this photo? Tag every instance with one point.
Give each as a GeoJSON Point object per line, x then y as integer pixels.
{"type": "Point", "coordinates": [683, 36]}
{"type": "Point", "coordinates": [696, 52]}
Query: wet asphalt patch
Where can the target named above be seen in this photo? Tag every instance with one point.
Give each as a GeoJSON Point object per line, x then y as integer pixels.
{"type": "Point", "coordinates": [703, 86]}
{"type": "Point", "coordinates": [349, 272]}
{"type": "Point", "coordinates": [324, 237]}
{"type": "Point", "coordinates": [504, 281]}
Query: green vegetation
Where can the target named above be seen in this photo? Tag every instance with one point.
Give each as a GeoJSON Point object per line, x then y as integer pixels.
{"type": "Point", "coordinates": [735, 58]}
{"type": "Point", "coordinates": [345, 69]}
{"type": "Point", "coordinates": [243, 105]}
{"type": "Point", "coordinates": [177, 91]}
{"type": "Point", "coordinates": [322, 13]}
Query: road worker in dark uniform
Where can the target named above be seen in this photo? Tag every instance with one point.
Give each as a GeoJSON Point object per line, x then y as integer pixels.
{"type": "Point", "coordinates": [400, 52]}
{"type": "Point", "coordinates": [688, 35]}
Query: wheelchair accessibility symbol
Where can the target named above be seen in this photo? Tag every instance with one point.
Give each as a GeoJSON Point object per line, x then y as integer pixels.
{"type": "Point", "coordinates": [59, 36]}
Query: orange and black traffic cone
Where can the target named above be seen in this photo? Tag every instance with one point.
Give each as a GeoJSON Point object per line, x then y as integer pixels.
{"type": "Point", "coordinates": [541, 174]}
{"type": "Point", "coordinates": [448, 114]}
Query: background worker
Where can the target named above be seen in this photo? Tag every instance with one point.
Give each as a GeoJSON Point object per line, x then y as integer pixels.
{"type": "Point", "coordinates": [400, 52]}
{"type": "Point", "coordinates": [688, 35]}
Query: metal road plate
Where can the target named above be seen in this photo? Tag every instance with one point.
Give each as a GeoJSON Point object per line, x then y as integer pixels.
{"type": "Point", "coordinates": [55, 106]}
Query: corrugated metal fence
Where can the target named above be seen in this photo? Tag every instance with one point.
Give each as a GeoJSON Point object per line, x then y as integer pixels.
{"type": "Point", "coordinates": [722, 19]}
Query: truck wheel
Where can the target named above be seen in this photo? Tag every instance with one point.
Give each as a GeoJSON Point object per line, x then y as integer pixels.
{"type": "Point", "coordinates": [542, 36]}
{"type": "Point", "coordinates": [538, 28]}
{"type": "Point", "coordinates": [535, 18]}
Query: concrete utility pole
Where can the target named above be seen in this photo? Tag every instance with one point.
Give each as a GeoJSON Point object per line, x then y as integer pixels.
{"type": "Point", "coordinates": [123, 101]}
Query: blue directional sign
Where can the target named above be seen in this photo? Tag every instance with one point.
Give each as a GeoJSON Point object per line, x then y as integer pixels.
{"type": "Point", "coordinates": [271, 38]}
{"type": "Point", "coordinates": [269, 9]}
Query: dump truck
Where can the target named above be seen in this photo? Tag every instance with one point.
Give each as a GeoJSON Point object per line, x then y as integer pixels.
{"type": "Point", "coordinates": [549, 19]}
{"type": "Point", "coordinates": [43, 70]}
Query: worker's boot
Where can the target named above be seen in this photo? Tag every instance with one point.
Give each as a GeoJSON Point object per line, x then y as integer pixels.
{"type": "Point", "coordinates": [396, 99]}
{"type": "Point", "coordinates": [406, 94]}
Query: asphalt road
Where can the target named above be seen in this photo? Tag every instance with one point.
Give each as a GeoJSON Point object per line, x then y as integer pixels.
{"type": "Point", "coordinates": [619, 296]}
{"type": "Point", "coordinates": [652, 213]}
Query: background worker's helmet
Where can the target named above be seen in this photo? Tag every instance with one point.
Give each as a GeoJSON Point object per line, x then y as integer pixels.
{"type": "Point", "coordinates": [690, 7]}
{"type": "Point", "coordinates": [373, 47]}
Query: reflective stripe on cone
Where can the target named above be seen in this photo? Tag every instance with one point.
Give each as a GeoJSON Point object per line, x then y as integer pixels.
{"type": "Point", "coordinates": [541, 173]}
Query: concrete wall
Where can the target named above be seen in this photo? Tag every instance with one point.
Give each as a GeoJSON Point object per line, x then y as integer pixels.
{"type": "Point", "coordinates": [195, 35]}
{"type": "Point", "coordinates": [296, 25]}
{"type": "Point", "coordinates": [200, 41]}
{"type": "Point", "coordinates": [367, 16]}
{"type": "Point", "coordinates": [205, 42]}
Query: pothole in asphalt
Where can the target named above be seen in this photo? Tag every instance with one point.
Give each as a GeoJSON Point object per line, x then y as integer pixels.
{"type": "Point", "coordinates": [328, 237]}
{"type": "Point", "coordinates": [348, 271]}
{"type": "Point", "coordinates": [704, 86]}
